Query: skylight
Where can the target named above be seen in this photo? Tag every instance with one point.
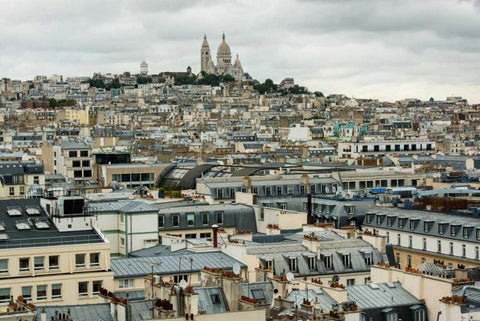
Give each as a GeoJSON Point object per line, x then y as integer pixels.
{"type": "Point", "coordinates": [14, 212]}
{"type": "Point", "coordinates": [22, 226]}
{"type": "Point", "coordinates": [32, 210]}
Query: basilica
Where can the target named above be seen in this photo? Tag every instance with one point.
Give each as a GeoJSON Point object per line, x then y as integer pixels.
{"type": "Point", "coordinates": [224, 60]}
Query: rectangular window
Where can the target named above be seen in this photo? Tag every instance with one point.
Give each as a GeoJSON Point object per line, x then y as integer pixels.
{"type": "Point", "coordinates": [292, 264]}
{"type": "Point", "coordinates": [409, 260]}
{"type": "Point", "coordinates": [3, 265]}
{"type": "Point", "coordinates": [76, 163]}
{"type": "Point", "coordinates": [477, 256]}
{"type": "Point", "coordinates": [85, 163]}
{"type": "Point", "coordinates": [424, 244]}
{"type": "Point", "coordinates": [388, 237]}
{"type": "Point", "coordinates": [311, 263]}
{"type": "Point", "coordinates": [368, 259]}
{"type": "Point", "coordinates": [36, 180]}
{"type": "Point", "coordinates": [11, 191]}
{"type": "Point", "coordinates": [77, 174]}
{"type": "Point", "coordinates": [94, 259]}
{"type": "Point", "coordinates": [399, 239]}
{"type": "Point", "coordinates": [451, 248]}
{"type": "Point", "coordinates": [82, 289]}
{"type": "Point", "coordinates": [72, 153]}
{"type": "Point", "coordinates": [56, 291]}
{"type": "Point", "coordinates": [204, 218]}
{"type": "Point", "coordinates": [205, 235]}
{"type": "Point", "coordinates": [24, 263]}
{"type": "Point", "coordinates": [27, 292]}
{"type": "Point", "coordinates": [350, 282]}
{"type": "Point", "coordinates": [161, 221]}
{"type": "Point", "coordinates": [4, 295]}
{"type": "Point", "coordinates": [327, 261]}
{"type": "Point", "coordinates": [79, 260]}
{"type": "Point", "coordinates": [219, 217]}
{"type": "Point", "coordinates": [175, 220]}
{"type": "Point", "coordinates": [279, 190]}
{"type": "Point", "coordinates": [464, 250]}
{"type": "Point", "coordinates": [439, 246]}
{"type": "Point", "coordinates": [191, 236]}
{"type": "Point", "coordinates": [87, 173]}
{"type": "Point", "coordinates": [96, 286]}
{"type": "Point", "coordinates": [125, 283]}
{"type": "Point", "coordinates": [22, 190]}
{"type": "Point", "coordinates": [39, 263]}
{"type": "Point", "coordinates": [346, 261]}
{"type": "Point", "coordinates": [41, 292]}
{"type": "Point", "coordinates": [410, 241]}
{"type": "Point", "coordinates": [190, 219]}
{"type": "Point", "coordinates": [84, 153]}
{"type": "Point", "coordinates": [122, 241]}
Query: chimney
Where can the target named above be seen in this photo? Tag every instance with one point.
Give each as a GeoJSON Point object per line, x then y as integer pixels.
{"type": "Point", "coordinates": [232, 288]}
{"type": "Point", "coordinates": [215, 235]}
{"type": "Point", "coordinates": [247, 181]}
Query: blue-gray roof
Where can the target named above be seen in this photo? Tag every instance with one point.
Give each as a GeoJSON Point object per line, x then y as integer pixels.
{"type": "Point", "coordinates": [85, 312]}
{"type": "Point", "coordinates": [171, 264]}
{"type": "Point", "coordinates": [380, 295]}
{"type": "Point", "coordinates": [211, 300]}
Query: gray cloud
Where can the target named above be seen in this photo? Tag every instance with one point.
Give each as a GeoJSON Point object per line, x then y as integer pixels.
{"type": "Point", "coordinates": [384, 49]}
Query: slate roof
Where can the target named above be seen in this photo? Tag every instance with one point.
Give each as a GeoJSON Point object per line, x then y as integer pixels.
{"type": "Point", "coordinates": [391, 294]}
{"type": "Point", "coordinates": [49, 235]}
{"type": "Point", "coordinates": [169, 264]}
{"type": "Point", "coordinates": [426, 223]}
{"type": "Point", "coordinates": [322, 297]}
{"type": "Point", "coordinates": [122, 206]}
{"type": "Point", "coordinates": [207, 300]}
{"type": "Point", "coordinates": [258, 291]}
{"type": "Point", "coordinates": [86, 312]}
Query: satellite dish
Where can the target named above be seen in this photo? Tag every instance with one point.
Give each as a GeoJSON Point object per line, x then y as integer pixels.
{"type": "Point", "coordinates": [335, 278]}
{"type": "Point", "coordinates": [183, 284]}
{"type": "Point", "coordinates": [290, 276]}
{"type": "Point", "coordinates": [236, 268]}
{"type": "Point", "coordinates": [327, 190]}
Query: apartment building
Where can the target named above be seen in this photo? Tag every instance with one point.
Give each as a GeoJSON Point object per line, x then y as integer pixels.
{"type": "Point", "coordinates": [382, 147]}
{"type": "Point", "coordinates": [17, 177]}
{"type": "Point", "coordinates": [74, 160]}
{"type": "Point", "coordinates": [50, 259]}
{"type": "Point", "coordinates": [418, 237]}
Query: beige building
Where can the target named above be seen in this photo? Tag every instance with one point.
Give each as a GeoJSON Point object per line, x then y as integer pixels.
{"type": "Point", "coordinates": [16, 178]}
{"type": "Point", "coordinates": [74, 115]}
{"type": "Point", "coordinates": [49, 255]}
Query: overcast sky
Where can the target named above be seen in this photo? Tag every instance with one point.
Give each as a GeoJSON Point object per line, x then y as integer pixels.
{"type": "Point", "coordinates": [362, 48]}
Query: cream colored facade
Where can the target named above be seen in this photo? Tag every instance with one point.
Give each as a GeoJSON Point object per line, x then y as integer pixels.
{"type": "Point", "coordinates": [54, 273]}
{"type": "Point", "coordinates": [73, 115]}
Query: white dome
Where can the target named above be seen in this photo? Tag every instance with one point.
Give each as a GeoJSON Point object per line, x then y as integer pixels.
{"type": "Point", "coordinates": [224, 49]}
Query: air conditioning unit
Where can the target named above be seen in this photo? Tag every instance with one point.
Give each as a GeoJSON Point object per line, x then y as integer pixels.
{"type": "Point", "coordinates": [156, 279]}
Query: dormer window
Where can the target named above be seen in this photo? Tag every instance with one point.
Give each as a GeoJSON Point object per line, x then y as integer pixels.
{"type": "Point", "coordinates": [442, 227]}
{"type": "Point", "coordinates": [292, 264]}
{"type": "Point", "coordinates": [327, 261]}
{"type": "Point", "coordinates": [346, 258]}
{"type": "Point", "coordinates": [312, 263]}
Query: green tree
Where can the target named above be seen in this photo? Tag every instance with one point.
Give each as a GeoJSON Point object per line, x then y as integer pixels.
{"type": "Point", "coordinates": [52, 102]}
{"type": "Point", "coordinates": [318, 94]}
{"type": "Point", "coordinates": [144, 80]}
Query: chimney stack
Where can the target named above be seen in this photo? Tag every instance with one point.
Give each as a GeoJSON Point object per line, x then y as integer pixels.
{"type": "Point", "coordinates": [215, 235]}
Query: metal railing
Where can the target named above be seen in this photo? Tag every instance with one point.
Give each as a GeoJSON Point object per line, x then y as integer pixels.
{"type": "Point", "coordinates": [51, 241]}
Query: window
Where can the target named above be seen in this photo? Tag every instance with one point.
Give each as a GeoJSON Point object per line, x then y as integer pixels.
{"type": "Point", "coordinates": [390, 221]}
{"type": "Point", "coordinates": [219, 217]}
{"type": "Point", "coordinates": [11, 191]}
{"type": "Point", "coordinates": [180, 277]}
{"type": "Point", "coordinates": [451, 248]}
{"type": "Point", "coordinates": [24, 263]}
{"type": "Point", "coordinates": [419, 315]}
{"type": "Point", "coordinates": [96, 286]}
{"type": "Point", "coordinates": [4, 295]}
{"type": "Point", "coordinates": [3, 265]}
{"type": "Point", "coordinates": [292, 264]}
{"type": "Point", "coordinates": [215, 298]}
{"type": "Point", "coordinates": [399, 239]}
{"type": "Point", "coordinates": [82, 289]}
{"type": "Point", "coordinates": [191, 236]}
{"type": "Point", "coordinates": [327, 261]}
{"type": "Point", "coordinates": [368, 258]}
{"type": "Point", "coordinates": [465, 232]}
{"type": "Point", "coordinates": [346, 261]}
{"type": "Point", "coordinates": [279, 190]}
{"type": "Point", "coordinates": [476, 253]}
{"type": "Point", "coordinates": [190, 219]}
{"type": "Point", "coordinates": [464, 250]}
{"type": "Point", "coordinates": [205, 235]}
{"type": "Point", "coordinates": [441, 228]}
{"type": "Point", "coordinates": [453, 229]}
{"type": "Point", "coordinates": [424, 243]}
{"type": "Point", "coordinates": [94, 259]}
{"type": "Point", "coordinates": [125, 283]}
{"type": "Point", "coordinates": [27, 292]}
{"type": "Point", "coordinates": [56, 291]}
{"type": "Point", "coordinates": [77, 174]}
{"type": "Point", "coordinates": [36, 179]}
{"type": "Point", "coordinates": [204, 218]}
{"type": "Point", "coordinates": [398, 259]}
{"type": "Point", "coordinates": [412, 224]}
{"type": "Point", "coordinates": [39, 263]}
{"type": "Point", "coordinates": [72, 153]}
{"type": "Point", "coordinates": [426, 226]}
{"type": "Point", "coordinates": [85, 163]}
{"type": "Point", "coordinates": [439, 246]}
{"type": "Point", "coordinates": [87, 173]}
{"type": "Point", "coordinates": [409, 260]}
{"type": "Point", "coordinates": [76, 163]}
{"type": "Point", "coordinates": [388, 237]}
{"type": "Point", "coordinates": [22, 190]}
{"type": "Point", "coordinates": [258, 294]}
{"type": "Point", "coordinates": [477, 234]}
{"type": "Point", "coordinates": [84, 153]}
{"type": "Point", "coordinates": [79, 260]}
{"type": "Point", "coordinates": [311, 263]}
{"type": "Point", "coordinates": [424, 260]}
{"type": "Point", "coordinates": [350, 282]}
{"type": "Point", "coordinates": [391, 316]}
{"type": "Point", "coordinates": [161, 221]}
{"type": "Point", "coordinates": [175, 220]}
{"type": "Point", "coordinates": [41, 292]}
{"type": "Point", "coordinates": [122, 241]}
{"type": "Point", "coordinates": [410, 241]}
{"type": "Point", "coordinates": [401, 222]}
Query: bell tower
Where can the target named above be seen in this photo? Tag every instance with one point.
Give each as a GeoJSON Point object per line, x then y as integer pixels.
{"type": "Point", "coordinates": [205, 56]}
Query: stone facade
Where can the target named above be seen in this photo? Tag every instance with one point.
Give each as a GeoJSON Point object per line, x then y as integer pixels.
{"type": "Point", "coordinates": [224, 60]}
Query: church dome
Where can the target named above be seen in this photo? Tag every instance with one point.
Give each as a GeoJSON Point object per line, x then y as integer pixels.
{"type": "Point", "coordinates": [224, 49]}
{"type": "Point", "coordinates": [143, 64]}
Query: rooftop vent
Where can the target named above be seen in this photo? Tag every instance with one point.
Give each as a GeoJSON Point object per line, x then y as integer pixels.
{"type": "Point", "coordinates": [2, 226]}
{"type": "Point", "coordinates": [374, 286]}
